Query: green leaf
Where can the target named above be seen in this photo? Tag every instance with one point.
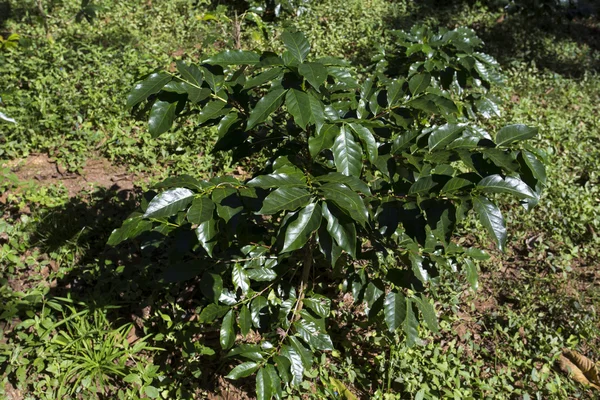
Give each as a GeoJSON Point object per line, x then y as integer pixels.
{"type": "Point", "coordinates": [243, 370]}
{"type": "Point", "coordinates": [513, 133]}
{"type": "Point", "coordinates": [352, 182]}
{"type": "Point", "coordinates": [285, 198]}
{"type": "Point", "coordinates": [472, 276]}
{"type": "Point", "coordinates": [422, 186]}
{"type": "Point", "coordinates": [227, 332]}
{"type": "Point", "coordinates": [6, 118]}
{"type": "Point", "coordinates": [368, 140]}
{"type": "Point", "coordinates": [489, 74]}
{"type": "Point", "coordinates": [305, 354]}
{"type": "Point", "coordinates": [131, 228]}
{"type": "Point", "coordinates": [263, 385]}
{"type": "Point", "coordinates": [276, 180]}
{"type": "Point", "coordinates": [212, 109]}
{"type": "Point", "coordinates": [206, 232]}
{"type": "Point", "coordinates": [344, 234]}
{"type": "Point", "coordinates": [185, 181]}
{"type": "Point", "coordinates": [443, 135]}
{"type": "Point", "coordinates": [410, 326]}
{"type": "Point", "coordinates": [323, 140]}
{"type": "Point", "coordinates": [255, 308]}
{"type": "Point", "coordinates": [149, 86]}
{"type": "Point", "coordinates": [283, 366]}
{"type": "Point", "coordinates": [416, 263]}
{"type": "Point", "coordinates": [299, 231]}
{"type": "Point", "coordinates": [491, 218]}
{"type": "Point", "coordinates": [321, 305]}
{"type": "Point", "coordinates": [394, 309]}
{"type": "Point", "coordinates": [261, 274]}
{"type": "Point", "coordinates": [265, 106]}
{"type": "Point", "coordinates": [190, 73]}
{"type": "Point", "coordinates": [456, 183]}
{"type": "Point", "coordinates": [240, 279]}
{"type": "Point", "coordinates": [394, 91]}
{"type": "Point", "coordinates": [263, 78]}
{"type": "Point", "coordinates": [295, 361]}
{"type": "Point", "coordinates": [234, 57]}
{"type": "Point", "coordinates": [347, 154]}
{"type": "Point", "coordinates": [487, 107]}
{"type": "Point", "coordinates": [309, 332]}
{"type": "Point", "coordinates": [161, 117]}
{"type": "Point", "coordinates": [419, 82]}
{"type": "Point", "coordinates": [212, 312]}
{"type": "Point", "coordinates": [510, 185]}
{"type": "Point", "coordinates": [211, 286]}
{"type": "Point", "coordinates": [428, 312]}
{"type": "Point", "coordinates": [347, 199]}
{"type": "Point", "coordinates": [537, 168]}
{"type": "Point", "coordinates": [169, 203]}
{"type": "Point", "coordinates": [245, 321]}
{"type": "Point", "coordinates": [403, 141]}
{"type": "Point", "coordinates": [317, 112]}
{"type": "Point", "coordinates": [215, 81]}
{"type": "Point", "coordinates": [275, 381]}
{"type": "Point", "coordinates": [201, 210]}
{"type": "Point", "coordinates": [152, 392]}
{"type": "Point", "coordinates": [296, 44]}
{"type": "Point", "coordinates": [298, 105]}
{"type": "Point", "coordinates": [315, 73]}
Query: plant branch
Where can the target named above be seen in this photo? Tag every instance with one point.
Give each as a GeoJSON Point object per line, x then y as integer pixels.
{"type": "Point", "coordinates": [307, 265]}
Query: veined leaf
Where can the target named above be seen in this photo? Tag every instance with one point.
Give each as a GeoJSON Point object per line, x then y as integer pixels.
{"type": "Point", "coordinates": [317, 112]}
{"type": "Point", "coordinates": [513, 133]}
{"type": "Point", "coordinates": [265, 107]}
{"type": "Point", "coordinates": [321, 305]}
{"type": "Point", "coordinates": [296, 44]}
{"type": "Point", "coordinates": [344, 234]}
{"type": "Point", "coordinates": [212, 110]}
{"type": "Point", "coordinates": [537, 168]}
{"type": "Point", "coordinates": [314, 73]}
{"type": "Point", "coordinates": [212, 312]}
{"type": "Point", "coordinates": [201, 210]}
{"type": "Point", "coordinates": [428, 312]}
{"type": "Point", "coordinates": [263, 78]}
{"type": "Point", "coordinates": [169, 203]}
{"type": "Point", "coordinates": [255, 309]}
{"type": "Point", "coordinates": [299, 231]}
{"type": "Point", "coordinates": [419, 82]}
{"type": "Point", "coordinates": [240, 279]}
{"type": "Point", "coordinates": [423, 185]}
{"type": "Point", "coordinates": [243, 370]}
{"type": "Point", "coordinates": [276, 180]}
{"type": "Point", "coordinates": [275, 381]}
{"type": "Point", "coordinates": [309, 332]}
{"type": "Point", "coordinates": [471, 272]}
{"type": "Point", "coordinates": [456, 183]}
{"type": "Point", "coordinates": [352, 182]}
{"type": "Point", "coordinates": [323, 140]}
{"type": "Point", "coordinates": [211, 286]}
{"type": "Point", "coordinates": [491, 218]}
{"type": "Point", "coordinates": [368, 140]}
{"type": "Point", "coordinates": [206, 232]}
{"type": "Point", "coordinates": [234, 57]}
{"type": "Point", "coordinates": [298, 105]}
{"type": "Point", "coordinates": [227, 332]}
{"type": "Point", "coordinates": [347, 154]}
{"type": "Point", "coordinates": [296, 366]}
{"type": "Point", "coordinates": [131, 228]}
{"type": "Point", "coordinates": [346, 199]}
{"type": "Point", "coordinates": [510, 185]}
{"type": "Point", "coordinates": [394, 91]}
{"type": "Point", "coordinates": [161, 117]}
{"type": "Point", "coordinates": [190, 73]}
{"type": "Point", "coordinates": [263, 385]}
{"type": "Point", "coordinates": [443, 135]}
{"type": "Point", "coordinates": [149, 86]}
{"type": "Point", "coordinates": [285, 198]}
{"type": "Point", "coordinates": [394, 308]}
{"type": "Point", "coordinates": [410, 326]}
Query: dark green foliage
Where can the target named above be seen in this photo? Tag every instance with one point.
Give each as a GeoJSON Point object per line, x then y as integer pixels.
{"type": "Point", "coordinates": [388, 166]}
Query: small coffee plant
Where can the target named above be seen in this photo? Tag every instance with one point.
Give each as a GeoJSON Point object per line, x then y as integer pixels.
{"type": "Point", "coordinates": [365, 184]}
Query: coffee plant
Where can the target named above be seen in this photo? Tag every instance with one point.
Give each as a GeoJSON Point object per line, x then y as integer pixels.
{"type": "Point", "coordinates": [365, 184]}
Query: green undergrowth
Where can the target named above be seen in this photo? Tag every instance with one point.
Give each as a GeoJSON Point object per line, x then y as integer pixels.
{"type": "Point", "coordinates": [66, 88]}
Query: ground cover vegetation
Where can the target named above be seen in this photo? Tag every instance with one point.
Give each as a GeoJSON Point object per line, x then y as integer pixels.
{"type": "Point", "coordinates": [85, 320]}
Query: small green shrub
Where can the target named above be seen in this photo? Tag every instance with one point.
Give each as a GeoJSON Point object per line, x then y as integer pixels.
{"type": "Point", "coordinates": [365, 185]}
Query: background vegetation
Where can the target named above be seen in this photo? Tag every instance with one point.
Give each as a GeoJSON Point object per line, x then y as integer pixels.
{"type": "Point", "coordinates": [82, 320]}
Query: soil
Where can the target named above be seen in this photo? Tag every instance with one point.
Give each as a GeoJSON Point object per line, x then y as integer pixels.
{"type": "Point", "coordinates": [97, 172]}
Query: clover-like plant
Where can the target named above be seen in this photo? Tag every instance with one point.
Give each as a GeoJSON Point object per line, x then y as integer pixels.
{"type": "Point", "coordinates": [365, 185]}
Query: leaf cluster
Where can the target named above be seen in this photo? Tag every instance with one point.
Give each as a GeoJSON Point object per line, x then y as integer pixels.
{"type": "Point", "coordinates": [388, 166]}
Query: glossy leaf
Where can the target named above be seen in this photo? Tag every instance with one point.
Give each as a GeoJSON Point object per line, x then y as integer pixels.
{"type": "Point", "coordinates": [201, 210]}
{"type": "Point", "coordinates": [212, 109]}
{"type": "Point", "coordinates": [263, 385]}
{"type": "Point", "coordinates": [346, 199]}
{"type": "Point", "coordinates": [428, 312]}
{"type": "Point", "coordinates": [227, 331]}
{"type": "Point", "coordinates": [418, 83]}
{"type": "Point", "coordinates": [161, 117]}
{"type": "Point", "coordinates": [352, 182]}
{"type": "Point", "coordinates": [321, 305]}
{"type": "Point", "coordinates": [309, 332]}
{"type": "Point", "coordinates": [510, 185]}
{"type": "Point", "coordinates": [255, 310]}
{"type": "Point", "coordinates": [443, 135]}
{"type": "Point", "coordinates": [265, 107]}
{"type": "Point", "coordinates": [276, 180]}
{"type": "Point", "coordinates": [245, 320]}
{"type": "Point", "coordinates": [491, 218]}
{"type": "Point", "coordinates": [131, 228]}
{"type": "Point", "coordinates": [243, 370]}
{"type": "Point", "coordinates": [206, 232]}
{"type": "Point", "coordinates": [368, 140]}
{"type": "Point", "coordinates": [296, 366]}
{"type": "Point", "coordinates": [169, 203]}
{"type": "Point", "coordinates": [211, 286]}
{"type": "Point", "coordinates": [472, 275]}
{"type": "Point", "coordinates": [263, 78]}
{"type": "Point", "coordinates": [149, 86]}
{"type": "Point", "coordinates": [344, 234]}
{"type": "Point", "coordinates": [285, 198]}
{"type": "Point", "coordinates": [347, 154]}
{"type": "Point", "coordinates": [275, 381]}
{"type": "Point", "coordinates": [298, 105]}
{"type": "Point", "coordinates": [410, 326]}
{"type": "Point", "coordinates": [394, 308]}
{"type": "Point", "coordinates": [513, 133]}
{"type": "Point", "coordinates": [537, 168]}
{"type": "Point", "coordinates": [240, 278]}
{"type": "Point", "coordinates": [323, 140]}
{"type": "Point", "coordinates": [190, 73]}
{"type": "Point", "coordinates": [314, 73]}
{"type": "Point", "coordinates": [296, 44]}
{"type": "Point", "coordinates": [299, 231]}
{"type": "Point", "coordinates": [212, 312]}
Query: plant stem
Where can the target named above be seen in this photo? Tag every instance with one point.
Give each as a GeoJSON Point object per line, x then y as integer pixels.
{"type": "Point", "coordinates": [307, 264]}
